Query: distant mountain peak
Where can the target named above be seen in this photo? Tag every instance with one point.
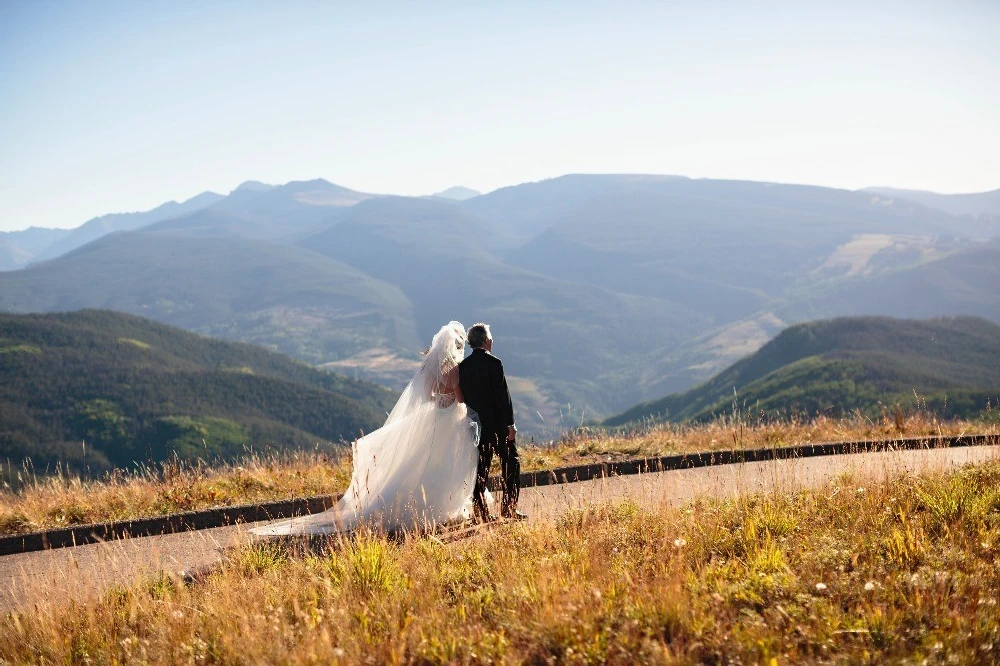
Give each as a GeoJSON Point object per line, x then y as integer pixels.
{"type": "Point", "coordinates": [321, 192]}
{"type": "Point", "coordinates": [458, 193]}
{"type": "Point", "coordinates": [253, 186]}
{"type": "Point", "coordinates": [314, 182]}
{"type": "Point", "coordinates": [207, 197]}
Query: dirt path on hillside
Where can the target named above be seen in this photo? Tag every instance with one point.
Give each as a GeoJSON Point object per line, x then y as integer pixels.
{"type": "Point", "coordinates": [58, 575]}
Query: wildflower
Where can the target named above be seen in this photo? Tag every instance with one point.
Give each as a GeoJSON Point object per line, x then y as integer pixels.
{"type": "Point", "coordinates": [820, 587]}
{"type": "Point", "coordinates": [869, 586]}
{"type": "Point", "coordinates": [860, 490]}
{"type": "Point", "coordinates": [177, 614]}
{"type": "Point", "coordinates": [680, 542]}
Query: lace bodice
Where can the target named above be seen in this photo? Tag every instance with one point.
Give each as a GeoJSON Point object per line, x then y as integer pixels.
{"type": "Point", "coordinates": [444, 400]}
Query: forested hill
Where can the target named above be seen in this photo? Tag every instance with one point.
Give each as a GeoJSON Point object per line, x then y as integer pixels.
{"type": "Point", "coordinates": [135, 390]}
{"type": "Point", "coordinates": [843, 364]}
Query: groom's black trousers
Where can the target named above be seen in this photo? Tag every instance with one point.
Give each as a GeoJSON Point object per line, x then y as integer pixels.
{"type": "Point", "coordinates": [495, 441]}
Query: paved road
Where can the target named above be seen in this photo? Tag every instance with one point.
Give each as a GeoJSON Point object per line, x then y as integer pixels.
{"type": "Point", "coordinates": [55, 576]}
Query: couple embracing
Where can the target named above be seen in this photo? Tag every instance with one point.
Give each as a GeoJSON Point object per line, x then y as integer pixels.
{"type": "Point", "coordinates": [429, 463]}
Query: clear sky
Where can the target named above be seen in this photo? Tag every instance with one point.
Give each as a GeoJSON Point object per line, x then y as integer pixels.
{"type": "Point", "coordinates": [114, 106]}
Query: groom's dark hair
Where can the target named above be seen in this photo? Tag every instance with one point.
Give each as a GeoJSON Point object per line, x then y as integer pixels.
{"type": "Point", "coordinates": [478, 335]}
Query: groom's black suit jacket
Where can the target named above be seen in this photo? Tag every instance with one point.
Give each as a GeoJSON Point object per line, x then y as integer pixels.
{"type": "Point", "coordinates": [484, 387]}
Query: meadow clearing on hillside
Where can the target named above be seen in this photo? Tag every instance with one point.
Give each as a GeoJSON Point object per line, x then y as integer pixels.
{"type": "Point", "coordinates": [175, 486]}
{"type": "Point", "coordinates": [902, 571]}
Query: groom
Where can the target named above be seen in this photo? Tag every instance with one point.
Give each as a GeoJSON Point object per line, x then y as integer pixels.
{"type": "Point", "coordinates": [484, 386]}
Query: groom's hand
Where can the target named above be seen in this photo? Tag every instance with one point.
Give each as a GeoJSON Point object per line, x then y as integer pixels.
{"type": "Point", "coordinates": [511, 433]}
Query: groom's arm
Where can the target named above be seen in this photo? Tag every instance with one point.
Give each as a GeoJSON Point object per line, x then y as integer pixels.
{"type": "Point", "coordinates": [504, 406]}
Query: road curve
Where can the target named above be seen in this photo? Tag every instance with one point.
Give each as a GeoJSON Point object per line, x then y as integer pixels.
{"type": "Point", "coordinates": [55, 576]}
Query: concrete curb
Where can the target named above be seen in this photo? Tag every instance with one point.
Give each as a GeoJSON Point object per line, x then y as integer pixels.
{"type": "Point", "coordinates": [157, 525]}
{"type": "Point", "coordinates": [708, 458]}
{"type": "Point", "coordinates": [248, 513]}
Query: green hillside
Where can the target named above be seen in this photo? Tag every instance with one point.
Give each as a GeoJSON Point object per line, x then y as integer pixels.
{"type": "Point", "coordinates": [839, 365]}
{"type": "Point", "coordinates": [285, 298]}
{"type": "Point", "coordinates": [135, 390]}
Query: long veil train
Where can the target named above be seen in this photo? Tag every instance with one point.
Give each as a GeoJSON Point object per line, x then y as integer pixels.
{"type": "Point", "coordinates": [419, 468]}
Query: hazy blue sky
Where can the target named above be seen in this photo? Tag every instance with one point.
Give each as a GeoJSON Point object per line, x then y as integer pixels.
{"type": "Point", "coordinates": [110, 106]}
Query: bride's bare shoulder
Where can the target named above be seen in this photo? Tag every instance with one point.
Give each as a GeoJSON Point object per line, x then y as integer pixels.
{"type": "Point", "coordinates": [451, 380]}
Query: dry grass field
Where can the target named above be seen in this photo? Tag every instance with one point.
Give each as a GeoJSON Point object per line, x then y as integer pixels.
{"type": "Point", "coordinates": [59, 501]}
{"type": "Point", "coordinates": [900, 572]}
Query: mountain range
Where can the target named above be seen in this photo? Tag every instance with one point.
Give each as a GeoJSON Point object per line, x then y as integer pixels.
{"type": "Point", "coordinates": [980, 204]}
{"type": "Point", "coordinates": [603, 290]}
{"type": "Point", "coordinates": [951, 365]}
{"type": "Point", "coordinates": [98, 389]}
{"type": "Point", "coordinates": [100, 226]}
{"type": "Point", "coordinates": [17, 248]}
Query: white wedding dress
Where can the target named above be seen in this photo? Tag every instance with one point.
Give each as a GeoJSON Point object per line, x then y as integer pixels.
{"type": "Point", "coordinates": [416, 471]}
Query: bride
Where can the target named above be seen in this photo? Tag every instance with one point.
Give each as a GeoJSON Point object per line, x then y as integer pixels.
{"type": "Point", "coordinates": [416, 471]}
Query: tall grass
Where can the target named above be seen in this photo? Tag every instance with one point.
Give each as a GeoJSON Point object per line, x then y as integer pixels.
{"type": "Point", "coordinates": [171, 487]}
{"type": "Point", "coordinates": [896, 571]}
{"type": "Point", "coordinates": [740, 430]}
{"type": "Point", "coordinates": [60, 500]}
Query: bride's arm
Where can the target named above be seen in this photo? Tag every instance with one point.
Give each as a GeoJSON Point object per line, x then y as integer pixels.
{"type": "Point", "coordinates": [452, 379]}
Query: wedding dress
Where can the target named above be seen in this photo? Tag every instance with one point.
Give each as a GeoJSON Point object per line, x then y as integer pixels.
{"type": "Point", "coordinates": [416, 471]}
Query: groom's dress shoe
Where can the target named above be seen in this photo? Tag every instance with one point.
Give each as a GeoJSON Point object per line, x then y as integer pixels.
{"type": "Point", "coordinates": [515, 515]}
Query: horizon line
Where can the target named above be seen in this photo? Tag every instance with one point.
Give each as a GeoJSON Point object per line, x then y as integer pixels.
{"type": "Point", "coordinates": [497, 189]}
